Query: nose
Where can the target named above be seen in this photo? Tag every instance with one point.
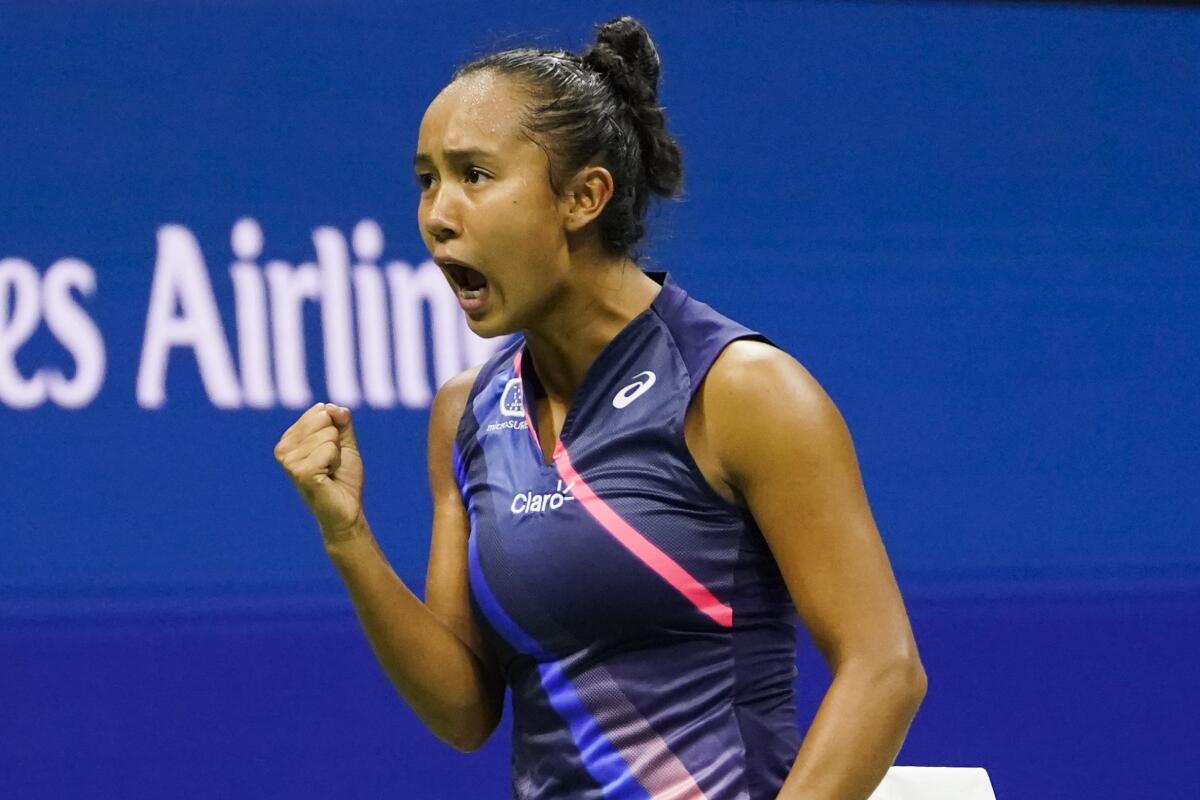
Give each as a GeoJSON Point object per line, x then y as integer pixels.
{"type": "Point", "coordinates": [441, 217]}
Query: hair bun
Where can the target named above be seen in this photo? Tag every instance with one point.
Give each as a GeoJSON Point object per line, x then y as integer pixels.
{"type": "Point", "coordinates": [601, 108]}
{"type": "Point", "coordinates": [626, 57]}
{"type": "Point", "coordinates": [625, 54]}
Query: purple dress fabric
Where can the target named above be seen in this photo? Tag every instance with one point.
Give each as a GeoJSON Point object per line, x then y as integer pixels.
{"type": "Point", "coordinates": [639, 619]}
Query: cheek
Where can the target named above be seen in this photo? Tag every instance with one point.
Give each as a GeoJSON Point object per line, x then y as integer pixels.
{"type": "Point", "coordinates": [421, 227]}
{"type": "Point", "coordinates": [527, 221]}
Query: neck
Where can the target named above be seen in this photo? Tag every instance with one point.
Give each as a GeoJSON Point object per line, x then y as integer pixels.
{"type": "Point", "coordinates": [600, 299]}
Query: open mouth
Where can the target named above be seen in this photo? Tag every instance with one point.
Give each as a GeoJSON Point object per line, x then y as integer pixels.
{"type": "Point", "coordinates": [469, 283]}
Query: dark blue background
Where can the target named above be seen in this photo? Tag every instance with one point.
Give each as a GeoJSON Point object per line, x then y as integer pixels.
{"type": "Point", "coordinates": [977, 225]}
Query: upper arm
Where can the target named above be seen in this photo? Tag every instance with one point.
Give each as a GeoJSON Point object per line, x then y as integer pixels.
{"type": "Point", "coordinates": [447, 592]}
{"type": "Point", "coordinates": [785, 450]}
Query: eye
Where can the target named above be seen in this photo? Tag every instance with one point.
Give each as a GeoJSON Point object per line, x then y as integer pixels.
{"type": "Point", "coordinates": [424, 180]}
{"type": "Point", "coordinates": [475, 175]}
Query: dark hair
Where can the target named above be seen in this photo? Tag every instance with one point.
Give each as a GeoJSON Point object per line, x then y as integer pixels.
{"type": "Point", "coordinates": [601, 107]}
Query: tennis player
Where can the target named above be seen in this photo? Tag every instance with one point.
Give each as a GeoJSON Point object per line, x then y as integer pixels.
{"type": "Point", "coordinates": [634, 498]}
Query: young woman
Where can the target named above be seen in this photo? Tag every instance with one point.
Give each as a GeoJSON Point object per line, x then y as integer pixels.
{"type": "Point", "coordinates": [633, 498]}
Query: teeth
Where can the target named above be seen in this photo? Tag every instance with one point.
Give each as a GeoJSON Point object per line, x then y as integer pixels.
{"type": "Point", "coordinates": [471, 294]}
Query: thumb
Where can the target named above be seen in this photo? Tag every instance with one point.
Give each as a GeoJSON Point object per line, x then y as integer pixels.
{"type": "Point", "coordinates": [345, 427]}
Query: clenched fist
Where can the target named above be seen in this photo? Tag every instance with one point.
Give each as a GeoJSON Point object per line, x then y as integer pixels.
{"type": "Point", "coordinates": [321, 457]}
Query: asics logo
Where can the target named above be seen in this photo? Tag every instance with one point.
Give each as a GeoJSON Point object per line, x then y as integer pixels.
{"type": "Point", "coordinates": [641, 384]}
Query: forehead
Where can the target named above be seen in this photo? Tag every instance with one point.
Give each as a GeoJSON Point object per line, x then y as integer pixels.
{"type": "Point", "coordinates": [479, 111]}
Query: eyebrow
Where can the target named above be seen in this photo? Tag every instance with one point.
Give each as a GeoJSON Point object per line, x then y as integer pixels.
{"type": "Point", "coordinates": [456, 155]}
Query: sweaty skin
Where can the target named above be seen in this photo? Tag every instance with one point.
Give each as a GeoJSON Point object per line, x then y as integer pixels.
{"type": "Point", "coordinates": [763, 432]}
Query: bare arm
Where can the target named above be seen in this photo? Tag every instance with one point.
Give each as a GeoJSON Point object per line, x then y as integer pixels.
{"type": "Point", "coordinates": [432, 652]}
{"type": "Point", "coordinates": [785, 453]}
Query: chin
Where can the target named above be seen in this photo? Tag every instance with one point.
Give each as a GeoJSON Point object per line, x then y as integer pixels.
{"type": "Point", "coordinates": [489, 325]}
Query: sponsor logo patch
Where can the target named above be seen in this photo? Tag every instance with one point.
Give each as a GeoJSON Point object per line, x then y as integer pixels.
{"type": "Point", "coordinates": [641, 384]}
{"type": "Point", "coordinates": [535, 503]}
{"type": "Point", "coordinates": [512, 401]}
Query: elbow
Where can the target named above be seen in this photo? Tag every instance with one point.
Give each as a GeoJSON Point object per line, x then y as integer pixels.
{"type": "Point", "coordinates": [898, 680]}
{"type": "Point", "coordinates": [466, 720]}
{"type": "Point", "coordinates": [467, 743]}
{"type": "Point", "coordinates": [467, 739]}
{"type": "Point", "coordinates": [470, 731]}
{"type": "Point", "coordinates": [909, 680]}
{"type": "Point", "coordinates": [919, 683]}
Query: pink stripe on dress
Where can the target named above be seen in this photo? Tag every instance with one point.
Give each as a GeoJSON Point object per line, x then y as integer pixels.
{"type": "Point", "coordinates": [525, 406]}
{"type": "Point", "coordinates": [645, 550]}
{"type": "Point", "coordinates": [639, 545]}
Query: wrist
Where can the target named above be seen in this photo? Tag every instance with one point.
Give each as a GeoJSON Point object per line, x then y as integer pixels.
{"type": "Point", "coordinates": [340, 534]}
{"type": "Point", "coordinates": [354, 551]}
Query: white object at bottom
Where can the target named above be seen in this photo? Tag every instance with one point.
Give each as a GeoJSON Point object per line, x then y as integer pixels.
{"type": "Point", "coordinates": [935, 783]}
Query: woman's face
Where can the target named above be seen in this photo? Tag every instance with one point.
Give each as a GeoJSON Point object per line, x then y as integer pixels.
{"type": "Point", "coordinates": [488, 213]}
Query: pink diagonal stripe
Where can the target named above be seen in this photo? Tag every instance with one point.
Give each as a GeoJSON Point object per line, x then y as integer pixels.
{"type": "Point", "coordinates": [524, 405]}
{"type": "Point", "coordinates": [639, 545]}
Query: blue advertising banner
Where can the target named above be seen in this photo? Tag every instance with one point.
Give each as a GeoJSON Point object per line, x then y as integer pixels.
{"type": "Point", "coordinates": [978, 226]}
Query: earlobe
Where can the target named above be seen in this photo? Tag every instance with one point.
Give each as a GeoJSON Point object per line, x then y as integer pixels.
{"type": "Point", "coordinates": [587, 195]}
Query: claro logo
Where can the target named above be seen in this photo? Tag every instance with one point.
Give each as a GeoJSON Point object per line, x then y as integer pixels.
{"type": "Point", "coordinates": [533, 503]}
{"type": "Point", "coordinates": [376, 325]}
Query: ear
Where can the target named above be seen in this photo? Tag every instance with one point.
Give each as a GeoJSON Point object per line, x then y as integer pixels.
{"type": "Point", "coordinates": [586, 195]}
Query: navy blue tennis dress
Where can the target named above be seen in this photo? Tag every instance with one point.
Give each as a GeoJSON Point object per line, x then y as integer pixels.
{"type": "Point", "coordinates": [639, 619]}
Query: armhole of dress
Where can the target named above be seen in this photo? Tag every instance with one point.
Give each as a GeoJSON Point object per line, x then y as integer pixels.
{"type": "Point", "coordinates": [468, 406]}
{"type": "Point", "coordinates": [460, 446]}
{"type": "Point", "coordinates": [696, 381]}
{"type": "Point", "coordinates": [486, 370]}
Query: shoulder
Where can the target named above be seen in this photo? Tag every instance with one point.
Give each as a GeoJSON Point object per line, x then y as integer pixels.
{"type": "Point", "coordinates": [765, 411]}
{"type": "Point", "coordinates": [448, 406]}
{"type": "Point", "coordinates": [762, 375]}
{"type": "Point", "coordinates": [451, 400]}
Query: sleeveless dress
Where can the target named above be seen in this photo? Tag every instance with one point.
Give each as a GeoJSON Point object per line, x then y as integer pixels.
{"type": "Point", "coordinates": [639, 619]}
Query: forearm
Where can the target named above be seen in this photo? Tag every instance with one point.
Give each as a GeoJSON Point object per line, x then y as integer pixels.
{"type": "Point", "coordinates": [857, 732]}
{"type": "Point", "coordinates": [439, 676]}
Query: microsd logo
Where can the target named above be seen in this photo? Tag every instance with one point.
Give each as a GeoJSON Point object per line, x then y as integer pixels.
{"type": "Point", "coordinates": [532, 503]}
{"type": "Point", "coordinates": [508, 425]}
